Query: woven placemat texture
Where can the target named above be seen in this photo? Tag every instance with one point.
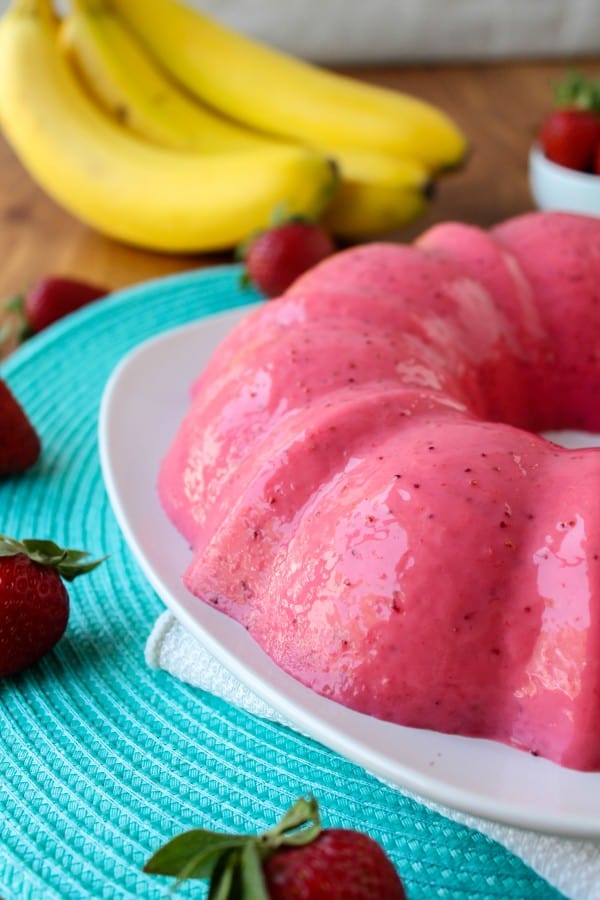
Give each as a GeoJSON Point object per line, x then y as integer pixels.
{"type": "Point", "coordinates": [101, 758]}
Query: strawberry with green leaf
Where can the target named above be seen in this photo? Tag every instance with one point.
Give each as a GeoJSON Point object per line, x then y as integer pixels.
{"type": "Point", "coordinates": [34, 603]}
{"type": "Point", "coordinates": [50, 299]}
{"type": "Point", "coordinates": [570, 134]}
{"type": "Point", "coordinates": [295, 860]}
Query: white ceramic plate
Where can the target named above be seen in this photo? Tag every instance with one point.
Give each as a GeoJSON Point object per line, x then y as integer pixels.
{"type": "Point", "coordinates": [144, 401]}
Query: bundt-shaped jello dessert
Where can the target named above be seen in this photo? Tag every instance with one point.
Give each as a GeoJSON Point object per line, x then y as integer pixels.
{"type": "Point", "coordinates": [361, 480]}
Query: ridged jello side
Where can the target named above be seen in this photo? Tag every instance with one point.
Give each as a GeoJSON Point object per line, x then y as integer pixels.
{"type": "Point", "coordinates": [524, 348]}
{"type": "Point", "coordinates": [559, 254]}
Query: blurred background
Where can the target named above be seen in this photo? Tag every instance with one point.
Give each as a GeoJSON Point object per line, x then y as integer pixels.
{"type": "Point", "coordinates": [339, 31]}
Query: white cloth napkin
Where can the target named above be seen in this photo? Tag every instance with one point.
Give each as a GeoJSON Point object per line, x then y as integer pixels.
{"type": "Point", "coordinates": [571, 866]}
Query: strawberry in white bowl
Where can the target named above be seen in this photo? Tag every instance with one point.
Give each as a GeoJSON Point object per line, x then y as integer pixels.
{"type": "Point", "coordinates": [564, 162]}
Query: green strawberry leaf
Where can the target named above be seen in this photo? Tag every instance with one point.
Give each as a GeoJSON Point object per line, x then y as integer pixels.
{"type": "Point", "coordinates": [575, 90]}
{"type": "Point", "coordinates": [253, 882]}
{"type": "Point", "coordinates": [225, 883]}
{"type": "Point", "coordinates": [40, 550]}
{"type": "Point", "coordinates": [280, 214]}
{"type": "Point", "coordinates": [9, 547]}
{"type": "Point", "coordinates": [68, 563]}
{"type": "Point", "coordinates": [71, 569]}
{"type": "Point", "coordinates": [245, 281]}
{"type": "Point", "coordinates": [16, 305]}
{"type": "Point", "coordinates": [303, 811]}
{"type": "Point", "coordinates": [192, 854]}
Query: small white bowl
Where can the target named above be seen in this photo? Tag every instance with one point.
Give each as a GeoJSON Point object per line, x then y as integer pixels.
{"type": "Point", "coordinates": [556, 187]}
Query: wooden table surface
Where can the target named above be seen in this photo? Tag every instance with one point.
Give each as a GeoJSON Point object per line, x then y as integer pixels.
{"type": "Point", "coordinates": [498, 106]}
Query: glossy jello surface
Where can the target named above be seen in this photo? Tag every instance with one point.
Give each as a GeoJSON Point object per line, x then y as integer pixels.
{"type": "Point", "coordinates": [361, 485]}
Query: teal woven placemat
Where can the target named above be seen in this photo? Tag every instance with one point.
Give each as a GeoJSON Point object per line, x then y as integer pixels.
{"type": "Point", "coordinates": [103, 759]}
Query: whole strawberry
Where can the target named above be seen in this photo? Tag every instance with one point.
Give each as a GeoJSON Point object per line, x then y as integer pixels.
{"type": "Point", "coordinates": [276, 257]}
{"type": "Point", "coordinates": [50, 299]}
{"type": "Point", "coordinates": [19, 442]}
{"type": "Point", "coordinates": [295, 860]}
{"type": "Point", "coordinates": [569, 137]}
{"type": "Point", "coordinates": [570, 133]}
{"type": "Point", "coordinates": [34, 603]}
{"type": "Point", "coordinates": [339, 865]}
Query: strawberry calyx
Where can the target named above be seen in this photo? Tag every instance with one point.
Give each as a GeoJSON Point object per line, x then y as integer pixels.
{"type": "Point", "coordinates": [576, 91]}
{"type": "Point", "coordinates": [68, 563]}
{"type": "Point", "coordinates": [234, 862]}
{"type": "Point", "coordinates": [16, 305]}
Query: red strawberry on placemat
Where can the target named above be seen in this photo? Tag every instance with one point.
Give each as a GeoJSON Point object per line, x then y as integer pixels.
{"type": "Point", "coordinates": [34, 603]}
{"type": "Point", "coordinates": [296, 859]}
{"type": "Point", "coordinates": [51, 299]}
{"type": "Point", "coordinates": [19, 442]}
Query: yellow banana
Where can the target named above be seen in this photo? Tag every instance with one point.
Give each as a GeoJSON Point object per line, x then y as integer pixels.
{"type": "Point", "coordinates": [128, 189]}
{"type": "Point", "coordinates": [377, 193]}
{"type": "Point", "coordinates": [130, 84]}
{"type": "Point", "coordinates": [275, 92]}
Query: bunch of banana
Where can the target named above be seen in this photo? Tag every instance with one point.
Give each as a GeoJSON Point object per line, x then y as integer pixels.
{"type": "Point", "coordinates": [126, 187]}
{"type": "Point", "coordinates": [160, 128]}
{"type": "Point", "coordinates": [388, 146]}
